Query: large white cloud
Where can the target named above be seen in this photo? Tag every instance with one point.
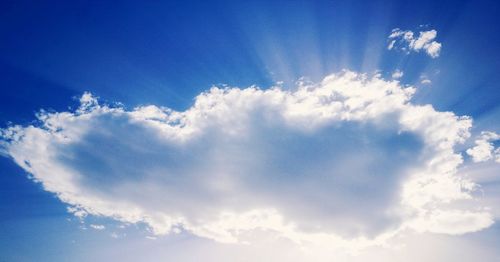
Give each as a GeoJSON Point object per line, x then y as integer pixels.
{"type": "Point", "coordinates": [406, 41]}
{"type": "Point", "coordinates": [348, 162]}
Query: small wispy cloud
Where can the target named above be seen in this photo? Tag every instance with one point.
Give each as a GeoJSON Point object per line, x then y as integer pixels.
{"type": "Point", "coordinates": [97, 227]}
{"type": "Point", "coordinates": [397, 74]}
{"type": "Point", "coordinates": [406, 40]}
{"type": "Point", "coordinates": [424, 79]}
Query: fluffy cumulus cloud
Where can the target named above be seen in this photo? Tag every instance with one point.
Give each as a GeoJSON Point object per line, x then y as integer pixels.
{"type": "Point", "coordinates": [407, 41]}
{"type": "Point", "coordinates": [484, 148]}
{"type": "Point", "coordinates": [345, 163]}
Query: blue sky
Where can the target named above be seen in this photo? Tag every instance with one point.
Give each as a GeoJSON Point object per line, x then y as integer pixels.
{"type": "Point", "coordinates": [65, 56]}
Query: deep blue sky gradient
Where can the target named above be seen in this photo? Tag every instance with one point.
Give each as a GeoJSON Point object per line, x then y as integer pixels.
{"type": "Point", "coordinates": [167, 52]}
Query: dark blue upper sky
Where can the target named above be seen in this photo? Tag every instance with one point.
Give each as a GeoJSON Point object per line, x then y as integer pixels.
{"type": "Point", "coordinates": [167, 52]}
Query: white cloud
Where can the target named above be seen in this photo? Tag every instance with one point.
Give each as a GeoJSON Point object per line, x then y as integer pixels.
{"type": "Point", "coordinates": [424, 79]}
{"type": "Point", "coordinates": [484, 149]}
{"type": "Point", "coordinates": [406, 41]}
{"type": "Point", "coordinates": [345, 163]}
{"type": "Point", "coordinates": [397, 74]}
{"type": "Point", "coordinates": [97, 227]}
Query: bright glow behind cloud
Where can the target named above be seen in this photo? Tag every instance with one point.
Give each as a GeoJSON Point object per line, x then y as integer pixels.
{"type": "Point", "coordinates": [348, 162]}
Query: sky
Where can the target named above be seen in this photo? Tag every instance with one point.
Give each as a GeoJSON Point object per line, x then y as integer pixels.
{"type": "Point", "coordinates": [249, 131]}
